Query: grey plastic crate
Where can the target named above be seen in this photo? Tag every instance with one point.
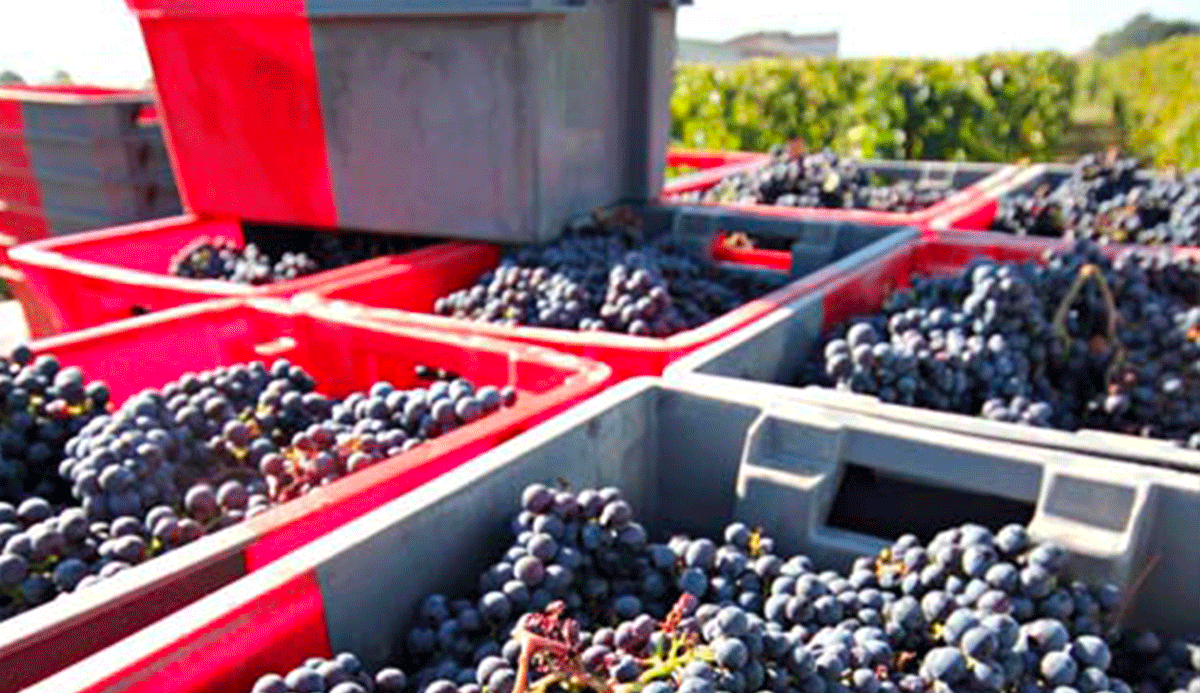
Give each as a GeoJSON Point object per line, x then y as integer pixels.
{"type": "Point", "coordinates": [117, 201]}
{"type": "Point", "coordinates": [690, 459]}
{"type": "Point", "coordinates": [83, 112]}
{"type": "Point", "coordinates": [770, 355]}
{"type": "Point", "coordinates": [118, 159]}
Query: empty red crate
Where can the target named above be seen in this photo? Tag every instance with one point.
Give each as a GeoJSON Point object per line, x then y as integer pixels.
{"type": "Point", "coordinates": [93, 278]}
{"type": "Point", "coordinates": [343, 356]}
{"type": "Point", "coordinates": [405, 294]}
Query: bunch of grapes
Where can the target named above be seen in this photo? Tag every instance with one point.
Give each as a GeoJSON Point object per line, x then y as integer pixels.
{"type": "Point", "coordinates": [199, 454]}
{"type": "Point", "coordinates": [1076, 341]}
{"type": "Point", "coordinates": [593, 279]}
{"type": "Point", "coordinates": [365, 429]}
{"type": "Point", "coordinates": [583, 600]}
{"type": "Point", "coordinates": [41, 406]}
{"type": "Point", "coordinates": [1107, 198]}
{"type": "Point", "coordinates": [275, 254]}
{"type": "Point", "coordinates": [820, 180]}
{"type": "Point", "coordinates": [222, 258]}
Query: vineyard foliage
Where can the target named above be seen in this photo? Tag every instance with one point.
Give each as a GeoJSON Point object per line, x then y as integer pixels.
{"type": "Point", "coordinates": [1158, 100]}
{"type": "Point", "coordinates": [996, 107]}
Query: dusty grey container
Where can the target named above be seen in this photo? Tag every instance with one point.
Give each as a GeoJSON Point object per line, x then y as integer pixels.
{"type": "Point", "coordinates": [492, 120]}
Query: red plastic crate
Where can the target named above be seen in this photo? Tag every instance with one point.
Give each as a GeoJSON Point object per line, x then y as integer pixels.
{"type": "Point", "coordinates": [96, 277]}
{"type": "Point", "coordinates": [406, 294]}
{"type": "Point", "coordinates": [753, 358]}
{"type": "Point", "coordinates": [343, 356]}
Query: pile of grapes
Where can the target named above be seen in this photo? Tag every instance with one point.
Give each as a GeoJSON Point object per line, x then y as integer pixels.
{"type": "Point", "coordinates": [273, 254]}
{"type": "Point", "coordinates": [599, 280]}
{"type": "Point", "coordinates": [90, 493]}
{"type": "Point", "coordinates": [1110, 199]}
{"type": "Point", "coordinates": [820, 180]}
{"type": "Point", "coordinates": [583, 601]}
{"type": "Point", "coordinates": [222, 258]}
{"type": "Point", "coordinates": [1075, 341]}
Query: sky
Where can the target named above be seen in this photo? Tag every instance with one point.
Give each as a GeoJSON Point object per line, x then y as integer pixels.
{"type": "Point", "coordinates": [98, 41]}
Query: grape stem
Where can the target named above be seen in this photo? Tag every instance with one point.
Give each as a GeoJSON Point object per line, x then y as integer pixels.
{"type": "Point", "coordinates": [1086, 272]}
{"type": "Point", "coordinates": [531, 644]}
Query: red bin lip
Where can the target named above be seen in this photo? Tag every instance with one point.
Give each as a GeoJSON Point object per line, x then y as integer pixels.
{"type": "Point", "coordinates": [343, 354]}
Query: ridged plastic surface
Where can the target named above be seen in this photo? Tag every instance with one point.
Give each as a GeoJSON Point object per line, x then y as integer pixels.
{"type": "Point", "coordinates": [405, 294]}
{"type": "Point", "coordinates": [343, 357]}
{"type": "Point", "coordinates": [93, 278]}
{"type": "Point", "coordinates": [688, 459]}
{"type": "Point", "coordinates": [505, 124]}
{"type": "Point", "coordinates": [771, 353]}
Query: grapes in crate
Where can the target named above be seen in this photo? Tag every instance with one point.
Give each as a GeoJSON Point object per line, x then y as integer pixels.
{"type": "Point", "coordinates": [1078, 341]}
{"type": "Point", "coordinates": [196, 455]}
{"type": "Point", "coordinates": [1107, 198]}
{"type": "Point", "coordinates": [600, 278]}
{"type": "Point", "coordinates": [585, 600]}
{"type": "Point", "coordinates": [274, 254]}
{"type": "Point", "coordinates": [821, 180]}
{"type": "Point", "coordinates": [221, 258]}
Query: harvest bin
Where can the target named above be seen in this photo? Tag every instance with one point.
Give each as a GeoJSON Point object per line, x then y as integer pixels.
{"type": "Point", "coordinates": [973, 182]}
{"type": "Point", "coordinates": [109, 274]}
{"type": "Point", "coordinates": [821, 252]}
{"type": "Point", "coordinates": [770, 355]}
{"type": "Point", "coordinates": [74, 158]}
{"type": "Point", "coordinates": [482, 119]}
{"type": "Point", "coordinates": [688, 459]}
{"type": "Point", "coordinates": [342, 357]}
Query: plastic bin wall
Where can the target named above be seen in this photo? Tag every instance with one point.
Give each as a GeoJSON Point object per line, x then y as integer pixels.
{"type": "Point", "coordinates": [773, 351]}
{"type": "Point", "coordinates": [821, 253]}
{"type": "Point", "coordinates": [688, 460]}
{"type": "Point", "coordinates": [343, 357]}
{"type": "Point", "coordinates": [490, 121]}
{"type": "Point", "coordinates": [93, 278]}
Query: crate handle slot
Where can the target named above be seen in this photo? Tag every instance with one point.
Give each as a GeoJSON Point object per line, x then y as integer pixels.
{"type": "Point", "coordinates": [841, 483]}
{"type": "Point", "coordinates": [275, 346]}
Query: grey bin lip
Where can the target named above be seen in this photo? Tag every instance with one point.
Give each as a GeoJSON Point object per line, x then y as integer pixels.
{"type": "Point", "coordinates": [68, 99]}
